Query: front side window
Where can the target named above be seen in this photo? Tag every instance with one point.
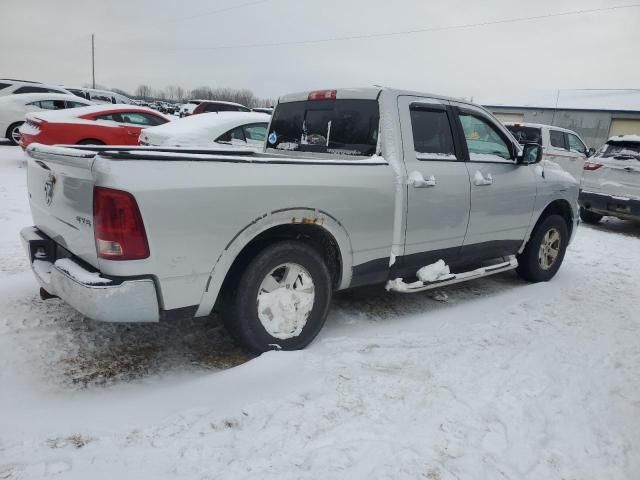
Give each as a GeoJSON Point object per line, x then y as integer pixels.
{"type": "Point", "coordinates": [255, 132]}
{"type": "Point", "coordinates": [483, 141]}
{"type": "Point", "coordinates": [4, 85]}
{"type": "Point", "coordinates": [72, 104]}
{"type": "Point", "coordinates": [576, 145]}
{"type": "Point", "coordinates": [111, 117]}
{"type": "Point", "coordinates": [234, 136]}
{"type": "Point", "coordinates": [50, 104]}
{"type": "Point", "coordinates": [138, 118]}
{"type": "Point", "coordinates": [558, 139]}
{"type": "Point", "coordinates": [339, 127]}
{"type": "Point", "coordinates": [432, 137]}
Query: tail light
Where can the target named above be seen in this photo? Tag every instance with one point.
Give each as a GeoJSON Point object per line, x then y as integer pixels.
{"type": "Point", "coordinates": [323, 95]}
{"type": "Point", "coordinates": [590, 166]}
{"type": "Point", "coordinates": [117, 225]}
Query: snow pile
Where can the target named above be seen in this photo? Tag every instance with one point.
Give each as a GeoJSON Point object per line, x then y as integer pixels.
{"type": "Point", "coordinates": [78, 273]}
{"type": "Point", "coordinates": [433, 272]}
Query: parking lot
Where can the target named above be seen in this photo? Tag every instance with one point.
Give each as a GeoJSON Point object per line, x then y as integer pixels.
{"type": "Point", "coordinates": [489, 379]}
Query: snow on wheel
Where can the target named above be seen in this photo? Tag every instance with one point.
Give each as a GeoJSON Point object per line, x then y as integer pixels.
{"type": "Point", "coordinates": [285, 300]}
{"type": "Point", "coordinates": [281, 299]}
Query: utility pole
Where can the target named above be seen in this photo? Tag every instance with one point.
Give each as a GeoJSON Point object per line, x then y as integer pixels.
{"type": "Point", "coordinates": [93, 62]}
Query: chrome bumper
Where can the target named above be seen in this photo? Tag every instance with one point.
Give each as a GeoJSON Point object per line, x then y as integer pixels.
{"type": "Point", "coordinates": [96, 297]}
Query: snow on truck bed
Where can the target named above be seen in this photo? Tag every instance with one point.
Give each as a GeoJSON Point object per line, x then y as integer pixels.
{"type": "Point", "coordinates": [505, 380]}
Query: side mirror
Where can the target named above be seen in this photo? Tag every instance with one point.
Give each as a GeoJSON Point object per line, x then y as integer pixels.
{"type": "Point", "coordinates": [591, 152]}
{"type": "Point", "coordinates": [531, 153]}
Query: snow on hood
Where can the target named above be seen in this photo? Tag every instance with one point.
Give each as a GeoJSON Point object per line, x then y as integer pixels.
{"type": "Point", "coordinates": [199, 130]}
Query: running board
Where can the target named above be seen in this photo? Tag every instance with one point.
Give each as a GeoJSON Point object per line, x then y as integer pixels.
{"type": "Point", "coordinates": [399, 286]}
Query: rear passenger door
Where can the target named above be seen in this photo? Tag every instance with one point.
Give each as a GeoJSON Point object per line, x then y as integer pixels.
{"type": "Point", "coordinates": [502, 192]}
{"type": "Point", "coordinates": [438, 191]}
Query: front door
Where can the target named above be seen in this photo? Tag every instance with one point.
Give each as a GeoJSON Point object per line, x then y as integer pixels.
{"type": "Point", "coordinates": [438, 186]}
{"type": "Point", "coordinates": [502, 192]}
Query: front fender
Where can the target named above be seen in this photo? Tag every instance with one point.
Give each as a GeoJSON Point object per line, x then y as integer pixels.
{"type": "Point", "coordinates": [298, 215]}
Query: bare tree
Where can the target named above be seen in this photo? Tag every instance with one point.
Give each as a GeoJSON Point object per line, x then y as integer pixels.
{"type": "Point", "coordinates": [143, 91]}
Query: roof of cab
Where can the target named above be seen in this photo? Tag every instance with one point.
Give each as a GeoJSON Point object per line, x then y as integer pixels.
{"type": "Point", "coordinates": [367, 93]}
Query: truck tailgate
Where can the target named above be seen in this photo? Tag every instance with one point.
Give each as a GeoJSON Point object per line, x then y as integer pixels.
{"type": "Point", "coordinates": [60, 188]}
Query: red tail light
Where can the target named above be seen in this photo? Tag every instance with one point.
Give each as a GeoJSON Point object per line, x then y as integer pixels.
{"type": "Point", "coordinates": [590, 166]}
{"type": "Point", "coordinates": [117, 225]}
{"type": "Point", "coordinates": [323, 95]}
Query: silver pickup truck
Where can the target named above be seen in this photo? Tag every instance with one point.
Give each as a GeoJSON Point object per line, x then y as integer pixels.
{"type": "Point", "coordinates": [354, 187]}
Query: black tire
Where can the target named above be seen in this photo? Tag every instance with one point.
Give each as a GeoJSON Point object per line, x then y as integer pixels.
{"type": "Point", "coordinates": [11, 132]}
{"type": "Point", "coordinates": [90, 142]}
{"type": "Point", "coordinates": [240, 308]}
{"type": "Point", "coordinates": [530, 265]}
{"type": "Point", "coordinates": [587, 216]}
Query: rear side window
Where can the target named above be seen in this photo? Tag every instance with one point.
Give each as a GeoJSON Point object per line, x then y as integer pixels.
{"type": "Point", "coordinates": [526, 134]}
{"type": "Point", "coordinates": [111, 117]}
{"type": "Point", "coordinates": [341, 127]}
{"type": "Point", "coordinates": [432, 137]}
{"type": "Point", "coordinates": [558, 139]}
{"type": "Point", "coordinates": [72, 104]}
{"type": "Point", "coordinates": [4, 85]}
{"type": "Point", "coordinates": [138, 118]}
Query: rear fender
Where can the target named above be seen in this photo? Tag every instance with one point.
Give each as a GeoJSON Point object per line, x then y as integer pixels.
{"type": "Point", "coordinates": [263, 223]}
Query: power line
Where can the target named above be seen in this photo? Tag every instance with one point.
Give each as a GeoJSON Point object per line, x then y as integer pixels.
{"type": "Point", "coordinates": [211, 12]}
{"type": "Point", "coordinates": [402, 32]}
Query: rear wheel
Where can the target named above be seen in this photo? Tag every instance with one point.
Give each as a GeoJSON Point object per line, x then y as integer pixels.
{"type": "Point", "coordinates": [587, 216]}
{"type": "Point", "coordinates": [90, 142]}
{"type": "Point", "coordinates": [13, 133]}
{"type": "Point", "coordinates": [280, 300]}
{"type": "Point", "coordinates": [544, 252]}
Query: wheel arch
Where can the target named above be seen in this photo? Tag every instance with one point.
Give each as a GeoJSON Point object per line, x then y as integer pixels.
{"type": "Point", "coordinates": [314, 227]}
{"type": "Point", "coordinates": [559, 206]}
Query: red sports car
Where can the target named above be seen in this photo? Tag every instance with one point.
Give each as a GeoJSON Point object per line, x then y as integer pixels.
{"type": "Point", "coordinates": [94, 125]}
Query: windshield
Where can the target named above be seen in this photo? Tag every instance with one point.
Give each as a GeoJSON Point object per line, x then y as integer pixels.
{"type": "Point", "coordinates": [525, 134]}
{"type": "Point", "coordinates": [342, 127]}
{"type": "Point", "coordinates": [621, 150]}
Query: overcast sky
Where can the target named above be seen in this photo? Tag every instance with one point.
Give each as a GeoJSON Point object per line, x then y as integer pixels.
{"type": "Point", "coordinates": [163, 42]}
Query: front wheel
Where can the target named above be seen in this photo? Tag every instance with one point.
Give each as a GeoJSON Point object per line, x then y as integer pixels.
{"type": "Point", "coordinates": [281, 300]}
{"type": "Point", "coordinates": [544, 252]}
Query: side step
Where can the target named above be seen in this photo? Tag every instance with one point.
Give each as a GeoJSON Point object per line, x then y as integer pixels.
{"type": "Point", "coordinates": [398, 285]}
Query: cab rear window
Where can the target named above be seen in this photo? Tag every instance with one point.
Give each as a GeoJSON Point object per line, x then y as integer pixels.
{"type": "Point", "coordinates": [340, 127]}
{"type": "Point", "coordinates": [526, 134]}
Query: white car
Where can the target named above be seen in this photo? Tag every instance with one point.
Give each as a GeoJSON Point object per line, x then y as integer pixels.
{"type": "Point", "coordinates": [13, 109]}
{"type": "Point", "coordinates": [210, 130]}
{"type": "Point", "coordinates": [611, 181]}
{"type": "Point", "coordinates": [101, 96]}
{"type": "Point", "coordinates": [560, 146]}
{"type": "Point", "coordinates": [13, 87]}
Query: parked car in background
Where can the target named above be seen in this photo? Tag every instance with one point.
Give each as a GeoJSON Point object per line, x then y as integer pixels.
{"type": "Point", "coordinates": [559, 145]}
{"type": "Point", "coordinates": [102, 96]}
{"type": "Point", "coordinates": [611, 181]}
{"type": "Point", "coordinates": [333, 202]}
{"type": "Point", "coordinates": [244, 130]}
{"type": "Point", "coordinates": [16, 87]}
{"type": "Point", "coordinates": [213, 106]}
{"type": "Point", "coordinates": [13, 109]}
{"type": "Point", "coordinates": [267, 110]}
{"type": "Point", "coordinates": [188, 108]}
{"type": "Point", "coordinates": [95, 125]}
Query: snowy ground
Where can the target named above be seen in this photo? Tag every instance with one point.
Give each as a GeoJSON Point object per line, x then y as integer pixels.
{"type": "Point", "coordinates": [503, 380]}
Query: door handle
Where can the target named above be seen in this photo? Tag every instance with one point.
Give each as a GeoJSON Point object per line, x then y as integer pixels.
{"type": "Point", "coordinates": [480, 180]}
{"type": "Point", "coordinates": [418, 181]}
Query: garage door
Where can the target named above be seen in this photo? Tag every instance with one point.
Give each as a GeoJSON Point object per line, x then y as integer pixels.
{"type": "Point", "coordinates": [625, 126]}
{"type": "Point", "coordinates": [509, 117]}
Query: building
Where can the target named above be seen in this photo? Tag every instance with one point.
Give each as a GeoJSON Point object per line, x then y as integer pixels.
{"type": "Point", "coordinates": [595, 115]}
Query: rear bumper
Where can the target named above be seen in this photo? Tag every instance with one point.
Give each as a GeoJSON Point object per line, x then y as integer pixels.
{"type": "Point", "coordinates": [98, 297]}
{"type": "Point", "coordinates": [604, 204]}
